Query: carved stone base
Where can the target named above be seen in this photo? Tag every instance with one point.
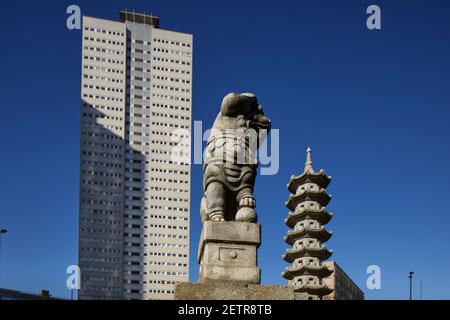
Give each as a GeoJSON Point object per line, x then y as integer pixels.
{"type": "Point", "coordinates": [228, 251]}
{"type": "Point", "coordinates": [229, 290]}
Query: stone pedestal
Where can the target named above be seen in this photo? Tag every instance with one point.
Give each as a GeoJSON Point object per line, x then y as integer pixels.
{"type": "Point", "coordinates": [228, 252]}
{"type": "Point", "coordinates": [230, 290]}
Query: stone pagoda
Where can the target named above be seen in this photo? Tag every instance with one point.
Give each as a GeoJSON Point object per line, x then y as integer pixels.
{"type": "Point", "coordinates": [306, 219]}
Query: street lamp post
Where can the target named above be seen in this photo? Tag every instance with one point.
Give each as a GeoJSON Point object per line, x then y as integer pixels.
{"type": "Point", "coordinates": [2, 232]}
{"type": "Point", "coordinates": [410, 285]}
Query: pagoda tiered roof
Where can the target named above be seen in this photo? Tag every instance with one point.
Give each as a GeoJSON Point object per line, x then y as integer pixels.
{"type": "Point", "coordinates": [322, 215]}
{"type": "Point", "coordinates": [319, 271]}
{"type": "Point", "coordinates": [321, 234]}
{"type": "Point", "coordinates": [320, 290]}
{"type": "Point", "coordinates": [320, 196]}
{"type": "Point", "coordinates": [292, 253]}
{"type": "Point", "coordinates": [320, 178]}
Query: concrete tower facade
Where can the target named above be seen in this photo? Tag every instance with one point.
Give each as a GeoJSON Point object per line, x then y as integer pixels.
{"type": "Point", "coordinates": [134, 197]}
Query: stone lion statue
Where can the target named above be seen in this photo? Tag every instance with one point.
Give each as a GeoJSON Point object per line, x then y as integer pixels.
{"type": "Point", "coordinates": [230, 164]}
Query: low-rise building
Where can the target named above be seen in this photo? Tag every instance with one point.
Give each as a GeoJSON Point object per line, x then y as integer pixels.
{"type": "Point", "coordinates": [7, 294]}
{"type": "Point", "coordinates": [344, 287]}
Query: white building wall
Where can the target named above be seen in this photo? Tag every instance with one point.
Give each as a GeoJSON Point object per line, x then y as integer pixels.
{"type": "Point", "coordinates": [101, 158]}
{"type": "Point", "coordinates": [156, 91]}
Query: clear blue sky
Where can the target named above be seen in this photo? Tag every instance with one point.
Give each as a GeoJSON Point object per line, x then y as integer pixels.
{"type": "Point", "coordinates": [373, 105]}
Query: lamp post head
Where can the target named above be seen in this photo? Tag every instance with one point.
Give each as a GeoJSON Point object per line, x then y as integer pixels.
{"type": "Point", "coordinates": [411, 274]}
{"type": "Point", "coordinates": [2, 231]}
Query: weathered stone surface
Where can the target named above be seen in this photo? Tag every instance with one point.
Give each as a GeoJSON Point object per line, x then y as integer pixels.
{"type": "Point", "coordinates": [228, 251]}
{"type": "Point", "coordinates": [308, 202]}
{"type": "Point", "coordinates": [230, 236]}
{"type": "Point", "coordinates": [229, 232]}
{"type": "Point", "coordinates": [230, 164]}
{"type": "Point", "coordinates": [228, 290]}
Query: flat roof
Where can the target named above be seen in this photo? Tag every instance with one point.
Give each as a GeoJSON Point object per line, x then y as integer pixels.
{"type": "Point", "coordinates": [20, 295]}
{"type": "Point", "coordinates": [144, 18]}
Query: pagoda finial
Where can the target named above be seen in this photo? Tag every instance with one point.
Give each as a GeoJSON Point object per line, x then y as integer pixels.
{"type": "Point", "coordinates": [308, 164]}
